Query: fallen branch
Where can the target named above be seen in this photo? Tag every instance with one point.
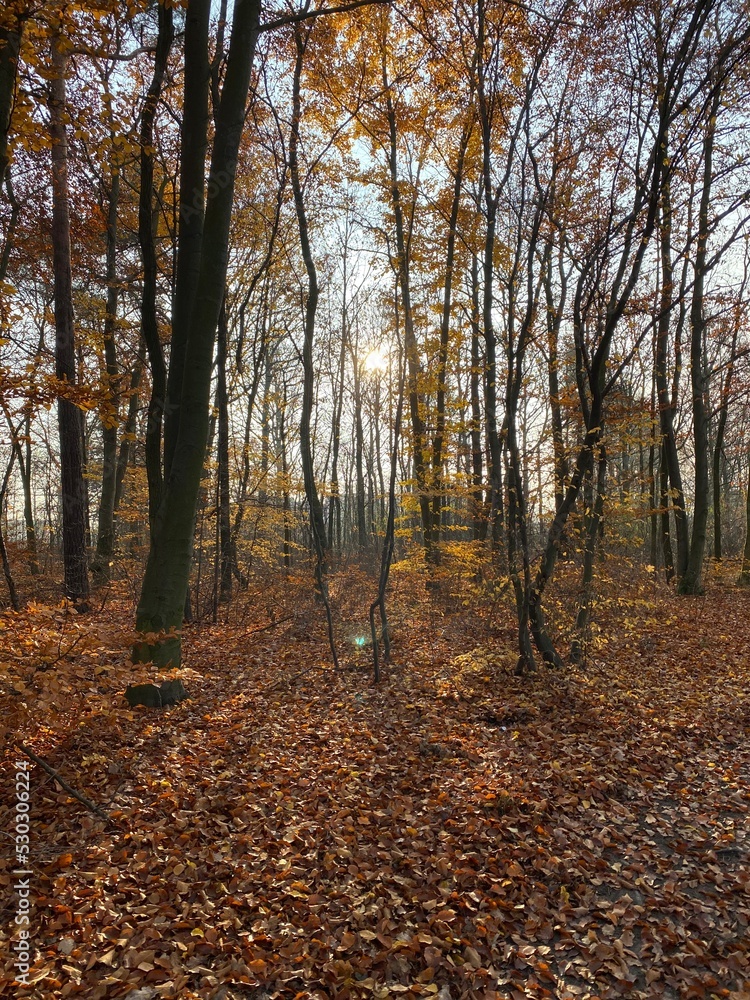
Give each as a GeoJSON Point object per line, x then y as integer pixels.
{"type": "Point", "coordinates": [294, 677]}
{"type": "Point", "coordinates": [272, 624]}
{"type": "Point", "coordinates": [61, 781]}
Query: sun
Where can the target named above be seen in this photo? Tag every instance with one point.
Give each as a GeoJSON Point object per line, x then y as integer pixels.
{"type": "Point", "coordinates": [376, 360]}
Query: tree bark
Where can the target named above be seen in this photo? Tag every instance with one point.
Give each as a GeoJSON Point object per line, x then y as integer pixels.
{"type": "Point", "coordinates": [10, 44]}
{"type": "Point", "coordinates": [105, 538]}
{"type": "Point", "coordinates": [128, 431]}
{"type": "Point", "coordinates": [317, 521]}
{"type": "Point", "coordinates": [359, 452]}
{"type": "Point", "coordinates": [68, 415]}
{"type": "Point", "coordinates": [692, 580]}
{"type": "Point", "coordinates": [478, 513]}
{"type": "Point", "coordinates": [192, 208]}
{"type": "Point", "coordinates": [165, 583]}
{"type": "Point", "coordinates": [224, 513]}
{"type": "Point", "coordinates": [149, 322]}
{"type": "Point", "coordinates": [438, 442]}
{"type": "Point", "coordinates": [593, 525]}
{"type": "Point", "coordinates": [411, 347]}
{"type": "Point", "coordinates": [744, 577]}
{"type": "Point", "coordinates": [668, 399]}
{"type": "Point", "coordinates": [7, 572]}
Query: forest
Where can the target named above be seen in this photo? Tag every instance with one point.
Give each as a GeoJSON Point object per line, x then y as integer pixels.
{"type": "Point", "coordinates": [375, 498]}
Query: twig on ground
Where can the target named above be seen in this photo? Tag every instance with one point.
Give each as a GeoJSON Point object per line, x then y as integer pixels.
{"type": "Point", "coordinates": [61, 781]}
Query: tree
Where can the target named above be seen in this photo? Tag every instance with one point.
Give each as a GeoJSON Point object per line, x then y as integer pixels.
{"type": "Point", "coordinates": [620, 251]}
{"type": "Point", "coordinates": [205, 237]}
{"type": "Point", "coordinates": [202, 253]}
{"type": "Point", "coordinates": [11, 27]}
{"type": "Point", "coordinates": [74, 506]}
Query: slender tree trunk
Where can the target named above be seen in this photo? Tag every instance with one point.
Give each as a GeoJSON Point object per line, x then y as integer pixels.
{"type": "Point", "coordinates": [517, 514]}
{"type": "Point", "coordinates": [23, 456]}
{"type": "Point", "coordinates": [668, 400]}
{"type": "Point", "coordinates": [411, 347]}
{"type": "Point", "coordinates": [334, 509]}
{"type": "Point", "coordinates": [286, 503]}
{"type": "Point", "coordinates": [317, 521]}
{"type": "Point", "coordinates": [386, 559]}
{"type": "Point", "coordinates": [7, 572]}
{"type": "Point", "coordinates": [692, 582]}
{"type": "Point", "coordinates": [554, 319]}
{"type": "Point", "coordinates": [478, 513]}
{"type": "Point", "coordinates": [149, 323]}
{"type": "Point", "coordinates": [359, 451]}
{"type": "Point", "coordinates": [719, 443]}
{"type": "Point", "coordinates": [68, 415]}
{"type": "Point", "coordinates": [265, 430]}
{"type": "Point", "coordinates": [716, 480]}
{"type": "Point", "coordinates": [128, 431]}
{"type": "Point", "coordinates": [438, 442]}
{"type": "Point", "coordinates": [744, 577]}
{"type": "Point", "coordinates": [28, 500]}
{"type": "Point", "coordinates": [222, 406]}
{"type": "Point", "coordinates": [592, 528]}
{"type": "Point", "coordinates": [666, 506]}
{"type": "Point", "coordinates": [651, 480]}
{"type": "Point", "coordinates": [105, 539]}
{"type": "Point", "coordinates": [494, 445]}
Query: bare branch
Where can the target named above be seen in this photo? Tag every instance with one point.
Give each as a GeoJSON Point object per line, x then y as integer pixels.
{"type": "Point", "coordinates": [313, 14]}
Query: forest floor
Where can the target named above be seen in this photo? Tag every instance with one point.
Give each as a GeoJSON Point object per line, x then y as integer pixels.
{"type": "Point", "coordinates": [456, 831]}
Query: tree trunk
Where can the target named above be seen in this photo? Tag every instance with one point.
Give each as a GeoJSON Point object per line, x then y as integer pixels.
{"type": "Point", "coordinates": [317, 521]}
{"type": "Point", "coordinates": [68, 415]}
{"type": "Point", "coordinates": [286, 503]}
{"type": "Point", "coordinates": [128, 431]}
{"type": "Point", "coordinates": [12, 592]}
{"type": "Point", "coordinates": [411, 347]}
{"type": "Point", "coordinates": [149, 323]}
{"type": "Point", "coordinates": [478, 514]}
{"type": "Point", "coordinates": [692, 582]}
{"type": "Point", "coordinates": [554, 319]}
{"type": "Point", "coordinates": [23, 456]}
{"type": "Point", "coordinates": [191, 247]}
{"type": "Point", "coordinates": [668, 399]}
{"type": "Point", "coordinates": [334, 508]}
{"type": "Point", "coordinates": [716, 477]}
{"type": "Point", "coordinates": [593, 524]}
{"type": "Point", "coordinates": [651, 480]}
{"type": "Point", "coordinates": [10, 44]}
{"type": "Point", "coordinates": [666, 506]}
{"type": "Point", "coordinates": [386, 558]}
{"type": "Point", "coordinates": [222, 406]}
{"type": "Point", "coordinates": [359, 450]}
{"type": "Point", "coordinates": [105, 539]}
{"type": "Point", "coordinates": [744, 577]}
{"type": "Point", "coordinates": [719, 443]}
{"type": "Point", "coordinates": [165, 583]}
{"type": "Point", "coordinates": [438, 442]}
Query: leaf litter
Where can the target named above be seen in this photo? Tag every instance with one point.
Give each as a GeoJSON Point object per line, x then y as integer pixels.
{"type": "Point", "coordinates": [291, 831]}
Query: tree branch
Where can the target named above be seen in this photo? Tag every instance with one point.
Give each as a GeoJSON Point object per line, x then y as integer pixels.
{"type": "Point", "coordinates": [61, 781]}
{"type": "Point", "coordinates": [312, 14]}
